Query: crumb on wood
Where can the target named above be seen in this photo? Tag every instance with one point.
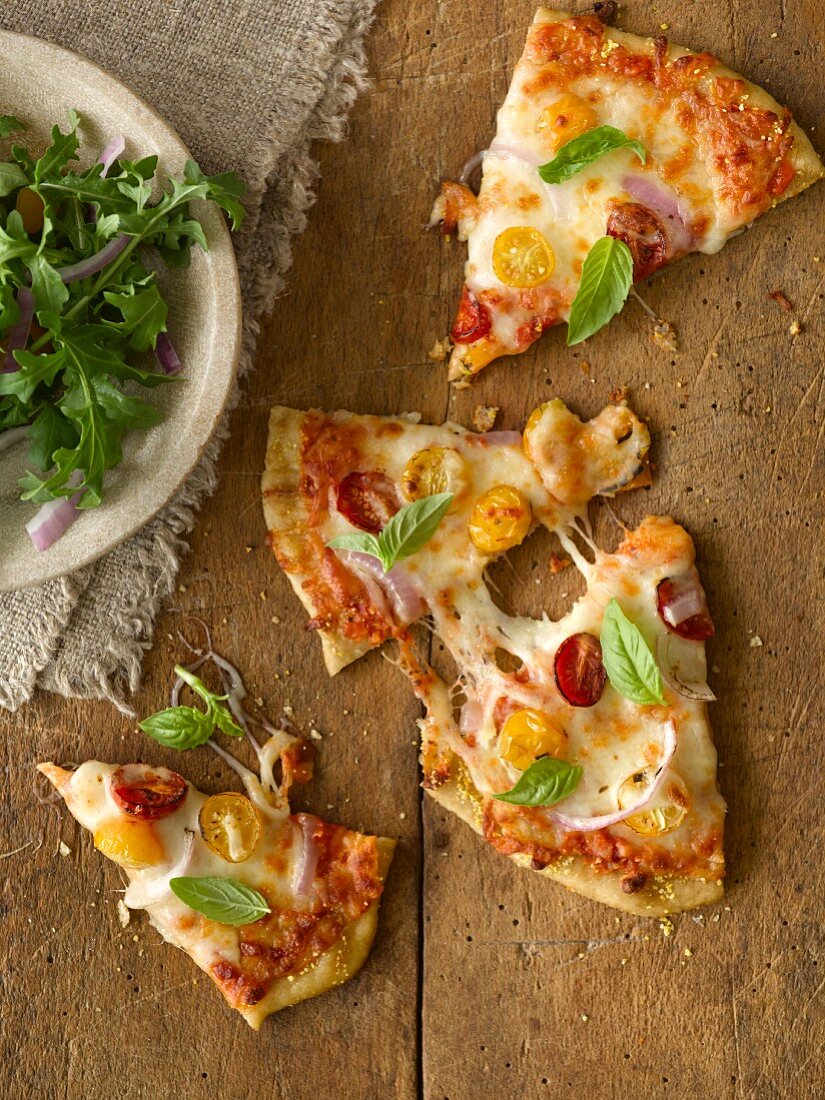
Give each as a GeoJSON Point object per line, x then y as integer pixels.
{"type": "Point", "coordinates": [484, 417]}
{"type": "Point", "coordinates": [64, 848]}
{"type": "Point", "coordinates": [663, 335]}
{"type": "Point", "coordinates": [618, 395]}
{"type": "Point", "coordinates": [440, 350]}
{"type": "Point", "coordinates": [781, 300]}
{"type": "Point", "coordinates": [755, 642]}
{"type": "Point", "coordinates": [666, 925]}
{"type": "Point", "coordinates": [795, 328]}
{"type": "Point", "coordinates": [123, 914]}
{"type": "Point", "coordinates": [584, 367]}
{"type": "Point", "coordinates": [559, 562]}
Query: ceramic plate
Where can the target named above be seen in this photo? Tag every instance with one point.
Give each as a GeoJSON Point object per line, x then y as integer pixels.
{"type": "Point", "coordinates": [40, 83]}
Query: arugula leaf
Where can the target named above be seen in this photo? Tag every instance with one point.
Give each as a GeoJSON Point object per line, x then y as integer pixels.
{"type": "Point", "coordinates": [585, 149]}
{"type": "Point", "coordinates": [627, 658]}
{"type": "Point", "coordinates": [607, 276]}
{"type": "Point", "coordinates": [544, 783]}
{"type": "Point", "coordinates": [14, 241]}
{"type": "Point", "coordinates": [9, 125]}
{"type": "Point", "coordinates": [224, 900]}
{"type": "Point", "coordinates": [12, 176]}
{"type": "Point", "coordinates": [144, 315]}
{"type": "Point", "coordinates": [48, 288]}
{"type": "Point", "coordinates": [62, 149]}
{"type": "Point", "coordinates": [225, 189]}
{"type": "Point", "coordinates": [404, 535]}
{"type": "Point", "coordinates": [34, 370]}
{"type": "Point", "coordinates": [179, 728]}
{"type": "Point", "coordinates": [9, 309]}
{"type": "Point", "coordinates": [48, 433]}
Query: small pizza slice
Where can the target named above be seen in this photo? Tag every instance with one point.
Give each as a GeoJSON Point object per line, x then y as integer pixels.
{"type": "Point", "coordinates": [614, 155]}
{"type": "Point", "coordinates": [579, 747]}
{"type": "Point", "coordinates": [274, 907]}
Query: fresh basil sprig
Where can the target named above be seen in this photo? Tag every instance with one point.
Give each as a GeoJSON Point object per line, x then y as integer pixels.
{"type": "Point", "coordinates": [405, 534]}
{"type": "Point", "coordinates": [183, 728]}
{"type": "Point", "coordinates": [585, 149]}
{"type": "Point", "coordinates": [630, 666]}
{"type": "Point", "coordinates": [544, 783]}
{"type": "Point", "coordinates": [220, 899]}
{"type": "Point", "coordinates": [607, 276]}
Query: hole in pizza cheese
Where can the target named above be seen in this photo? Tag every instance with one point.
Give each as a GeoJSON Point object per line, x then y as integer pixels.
{"type": "Point", "coordinates": [565, 742]}
{"type": "Point", "coordinates": [659, 149]}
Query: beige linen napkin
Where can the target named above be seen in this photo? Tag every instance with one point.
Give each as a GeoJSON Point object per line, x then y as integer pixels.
{"type": "Point", "coordinates": [248, 84]}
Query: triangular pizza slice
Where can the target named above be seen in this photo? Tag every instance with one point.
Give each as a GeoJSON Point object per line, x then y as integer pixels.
{"type": "Point", "coordinates": [286, 904]}
{"type": "Point", "coordinates": [607, 135]}
{"type": "Point", "coordinates": [593, 727]}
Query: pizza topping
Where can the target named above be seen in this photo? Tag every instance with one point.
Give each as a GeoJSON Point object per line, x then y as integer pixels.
{"type": "Point", "coordinates": [662, 813]}
{"type": "Point", "coordinates": [231, 826]}
{"type": "Point", "coordinates": [643, 233]}
{"type": "Point", "coordinates": [585, 149]}
{"type": "Point", "coordinates": [580, 674]}
{"type": "Point", "coordinates": [678, 663]}
{"type": "Point", "coordinates": [607, 275]}
{"type": "Point", "coordinates": [221, 899]}
{"type": "Point", "coordinates": [528, 734]}
{"type": "Point", "coordinates": [631, 667]}
{"type": "Point", "coordinates": [683, 607]}
{"type": "Point", "coordinates": [145, 891]}
{"type": "Point", "coordinates": [455, 203]}
{"type": "Point", "coordinates": [500, 519]}
{"type": "Point", "coordinates": [367, 500]}
{"type": "Point", "coordinates": [565, 119]}
{"type": "Point", "coordinates": [522, 257]}
{"type": "Point", "coordinates": [394, 586]}
{"type": "Point", "coordinates": [472, 321]}
{"type": "Point", "coordinates": [436, 470]}
{"type": "Point", "coordinates": [306, 863]}
{"type": "Point", "coordinates": [132, 844]}
{"type": "Point", "coordinates": [655, 196]}
{"type": "Point", "coordinates": [147, 793]}
{"type": "Point", "coordinates": [544, 783]}
{"type": "Point", "coordinates": [404, 535]}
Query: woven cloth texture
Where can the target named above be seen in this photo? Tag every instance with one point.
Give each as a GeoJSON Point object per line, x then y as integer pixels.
{"type": "Point", "coordinates": [249, 85]}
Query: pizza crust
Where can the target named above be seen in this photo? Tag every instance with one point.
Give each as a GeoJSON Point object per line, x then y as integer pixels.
{"type": "Point", "coordinates": [285, 512]}
{"type": "Point", "coordinates": [665, 894]}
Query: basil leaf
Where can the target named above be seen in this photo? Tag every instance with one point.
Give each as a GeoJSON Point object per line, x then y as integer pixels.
{"type": "Point", "coordinates": [12, 176]}
{"type": "Point", "coordinates": [585, 149]}
{"type": "Point", "coordinates": [220, 899]}
{"type": "Point", "coordinates": [607, 276]}
{"type": "Point", "coordinates": [544, 783]}
{"type": "Point", "coordinates": [360, 543]}
{"type": "Point", "coordinates": [222, 718]}
{"type": "Point", "coordinates": [218, 714]}
{"type": "Point", "coordinates": [629, 664]}
{"type": "Point", "coordinates": [179, 728]}
{"type": "Point", "coordinates": [411, 528]}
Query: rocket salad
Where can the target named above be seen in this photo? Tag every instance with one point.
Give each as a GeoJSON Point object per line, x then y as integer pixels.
{"type": "Point", "coordinates": [80, 309]}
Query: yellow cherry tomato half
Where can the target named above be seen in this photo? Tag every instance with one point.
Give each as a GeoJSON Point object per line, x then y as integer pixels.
{"type": "Point", "coordinates": [667, 810]}
{"type": "Point", "coordinates": [528, 734]}
{"type": "Point", "coordinates": [31, 209]}
{"type": "Point", "coordinates": [231, 826]}
{"type": "Point", "coordinates": [132, 844]}
{"type": "Point", "coordinates": [522, 257]}
{"type": "Point", "coordinates": [501, 518]}
{"type": "Point", "coordinates": [567, 118]}
{"type": "Point", "coordinates": [436, 470]}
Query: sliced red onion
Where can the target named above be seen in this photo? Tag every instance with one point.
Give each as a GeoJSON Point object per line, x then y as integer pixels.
{"type": "Point", "coordinates": [92, 264]}
{"type": "Point", "coordinates": [141, 893]}
{"type": "Point", "coordinates": [307, 862]}
{"type": "Point", "coordinates": [687, 600]}
{"type": "Point", "coordinates": [663, 202]}
{"type": "Point", "coordinates": [502, 438]}
{"type": "Point", "coordinates": [472, 714]}
{"type": "Point", "coordinates": [166, 354]}
{"type": "Point", "coordinates": [13, 435]}
{"type": "Point", "coordinates": [53, 520]}
{"type": "Point", "coordinates": [394, 586]}
{"type": "Point", "coordinates": [471, 165]}
{"type": "Point", "coordinates": [590, 824]}
{"type": "Point", "coordinates": [697, 690]}
{"type": "Point", "coordinates": [18, 334]}
{"type": "Point", "coordinates": [111, 152]}
{"type": "Point", "coordinates": [517, 152]}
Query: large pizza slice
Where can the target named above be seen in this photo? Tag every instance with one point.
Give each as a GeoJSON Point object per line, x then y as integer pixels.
{"type": "Point", "coordinates": [614, 155]}
{"type": "Point", "coordinates": [580, 747]}
{"type": "Point", "coordinates": [274, 907]}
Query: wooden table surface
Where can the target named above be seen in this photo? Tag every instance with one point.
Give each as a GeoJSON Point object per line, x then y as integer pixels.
{"type": "Point", "coordinates": [485, 981]}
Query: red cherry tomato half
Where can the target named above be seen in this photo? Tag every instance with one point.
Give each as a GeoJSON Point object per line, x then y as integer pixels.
{"type": "Point", "coordinates": [683, 609]}
{"type": "Point", "coordinates": [472, 320]}
{"type": "Point", "coordinates": [644, 235]}
{"type": "Point", "coordinates": [147, 793]}
{"type": "Point", "coordinates": [580, 674]}
{"type": "Point", "coordinates": [368, 500]}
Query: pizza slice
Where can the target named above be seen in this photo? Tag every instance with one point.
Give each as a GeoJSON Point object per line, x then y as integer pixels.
{"type": "Point", "coordinates": [613, 156]}
{"type": "Point", "coordinates": [580, 747]}
{"type": "Point", "coordinates": [274, 907]}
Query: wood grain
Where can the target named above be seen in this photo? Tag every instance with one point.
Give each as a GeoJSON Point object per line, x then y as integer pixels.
{"type": "Point", "coordinates": [499, 984]}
